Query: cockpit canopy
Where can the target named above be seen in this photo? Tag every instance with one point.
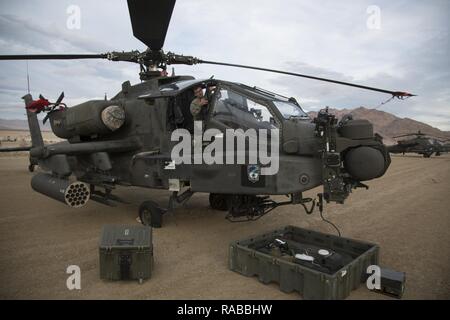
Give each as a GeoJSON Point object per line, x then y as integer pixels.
{"type": "Point", "coordinates": [232, 104]}
{"type": "Point", "coordinates": [240, 106]}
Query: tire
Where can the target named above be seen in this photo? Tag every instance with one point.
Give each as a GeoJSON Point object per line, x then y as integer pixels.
{"type": "Point", "coordinates": [150, 214]}
{"type": "Point", "coordinates": [31, 167]}
{"type": "Point", "coordinates": [218, 201]}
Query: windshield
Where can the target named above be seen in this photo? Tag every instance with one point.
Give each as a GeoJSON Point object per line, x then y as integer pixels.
{"type": "Point", "coordinates": [290, 110]}
{"type": "Point", "coordinates": [238, 111]}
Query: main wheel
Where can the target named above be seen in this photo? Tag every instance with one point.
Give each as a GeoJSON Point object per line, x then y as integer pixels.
{"type": "Point", "coordinates": [150, 214]}
{"type": "Point", "coordinates": [218, 201]}
{"type": "Point", "coordinates": [31, 167]}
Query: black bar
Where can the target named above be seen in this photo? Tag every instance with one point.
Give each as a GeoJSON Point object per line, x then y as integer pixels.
{"type": "Point", "coordinates": [52, 56]}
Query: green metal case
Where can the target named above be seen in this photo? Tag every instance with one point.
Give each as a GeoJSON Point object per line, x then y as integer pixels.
{"type": "Point", "coordinates": [245, 259]}
{"type": "Point", "coordinates": [126, 252]}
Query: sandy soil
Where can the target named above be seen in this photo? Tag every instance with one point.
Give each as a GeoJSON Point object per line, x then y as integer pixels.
{"type": "Point", "coordinates": [406, 212]}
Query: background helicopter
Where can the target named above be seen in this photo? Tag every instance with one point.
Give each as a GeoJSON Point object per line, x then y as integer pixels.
{"type": "Point", "coordinates": [126, 140]}
{"type": "Point", "coordinates": [420, 143]}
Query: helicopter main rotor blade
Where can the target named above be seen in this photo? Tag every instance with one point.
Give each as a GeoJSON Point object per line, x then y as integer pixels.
{"type": "Point", "coordinates": [150, 20]}
{"type": "Point", "coordinates": [398, 94]}
{"type": "Point", "coordinates": [52, 56]}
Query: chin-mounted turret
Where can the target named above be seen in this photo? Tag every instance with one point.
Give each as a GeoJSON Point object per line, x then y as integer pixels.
{"type": "Point", "coordinates": [350, 153]}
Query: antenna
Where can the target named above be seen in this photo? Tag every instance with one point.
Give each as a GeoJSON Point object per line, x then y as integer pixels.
{"type": "Point", "coordinates": [28, 79]}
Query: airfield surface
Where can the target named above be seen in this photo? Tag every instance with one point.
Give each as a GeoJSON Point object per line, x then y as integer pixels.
{"type": "Point", "coordinates": [406, 212]}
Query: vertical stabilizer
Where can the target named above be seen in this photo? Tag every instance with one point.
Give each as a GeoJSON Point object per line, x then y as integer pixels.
{"type": "Point", "coordinates": [33, 124]}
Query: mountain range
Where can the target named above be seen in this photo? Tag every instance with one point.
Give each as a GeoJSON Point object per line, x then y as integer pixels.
{"type": "Point", "coordinates": [16, 124]}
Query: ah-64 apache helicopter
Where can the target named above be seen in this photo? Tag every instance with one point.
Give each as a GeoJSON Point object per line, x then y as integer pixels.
{"type": "Point", "coordinates": [126, 140]}
{"type": "Point", "coordinates": [419, 143]}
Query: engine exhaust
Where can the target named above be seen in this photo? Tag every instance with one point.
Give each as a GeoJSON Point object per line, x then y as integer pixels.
{"type": "Point", "coordinates": [74, 194]}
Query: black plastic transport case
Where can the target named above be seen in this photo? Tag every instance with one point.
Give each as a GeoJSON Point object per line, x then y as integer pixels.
{"type": "Point", "coordinates": [283, 256]}
{"type": "Point", "coordinates": [392, 283]}
{"type": "Point", "coordinates": [126, 252]}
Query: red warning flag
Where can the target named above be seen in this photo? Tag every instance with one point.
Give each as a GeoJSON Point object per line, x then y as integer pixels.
{"type": "Point", "coordinates": [38, 105]}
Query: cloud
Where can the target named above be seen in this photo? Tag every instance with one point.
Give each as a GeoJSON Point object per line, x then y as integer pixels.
{"type": "Point", "coordinates": [25, 33]}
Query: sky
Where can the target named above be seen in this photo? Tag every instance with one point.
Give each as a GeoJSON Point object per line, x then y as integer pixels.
{"type": "Point", "coordinates": [398, 45]}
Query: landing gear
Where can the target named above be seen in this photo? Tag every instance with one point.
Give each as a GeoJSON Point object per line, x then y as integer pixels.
{"type": "Point", "coordinates": [250, 207]}
{"type": "Point", "coordinates": [243, 208]}
{"type": "Point", "coordinates": [151, 214]}
{"type": "Point", "coordinates": [31, 167]}
{"type": "Point", "coordinates": [218, 201]}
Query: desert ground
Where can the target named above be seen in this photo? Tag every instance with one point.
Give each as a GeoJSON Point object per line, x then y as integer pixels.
{"type": "Point", "coordinates": [22, 138]}
{"type": "Point", "coordinates": [406, 212]}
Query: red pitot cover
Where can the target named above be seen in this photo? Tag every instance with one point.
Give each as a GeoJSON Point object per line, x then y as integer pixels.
{"type": "Point", "coordinates": [38, 105]}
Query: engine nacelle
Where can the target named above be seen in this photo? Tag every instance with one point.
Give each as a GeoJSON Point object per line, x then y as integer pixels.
{"type": "Point", "coordinates": [88, 119]}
